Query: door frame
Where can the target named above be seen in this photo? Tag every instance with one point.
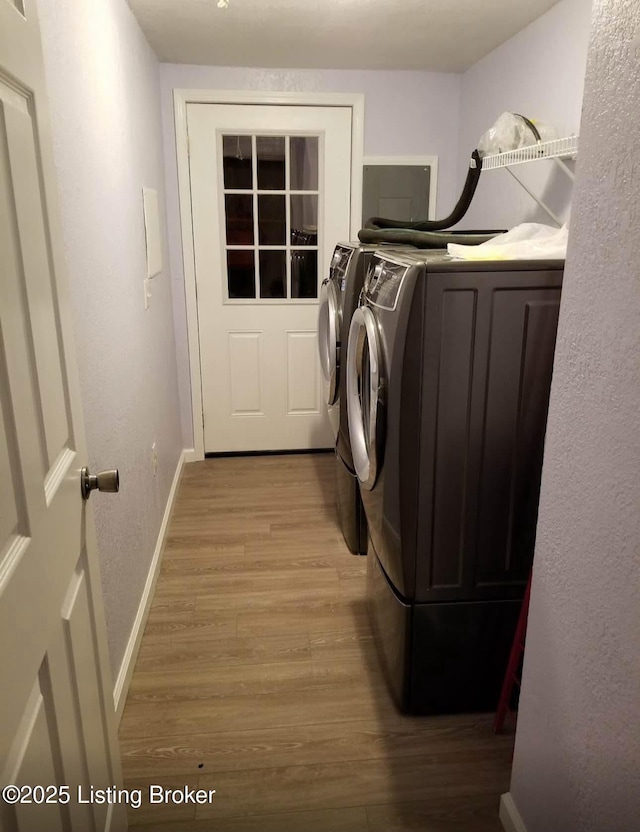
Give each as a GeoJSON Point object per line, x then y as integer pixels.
{"type": "Point", "coordinates": [183, 97]}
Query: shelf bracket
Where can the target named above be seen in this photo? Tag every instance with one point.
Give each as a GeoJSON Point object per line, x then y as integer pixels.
{"type": "Point", "coordinates": [544, 207]}
{"type": "Point", "coordinates": [556, 149]}
{"type": "Point", "coordinates": [564, 167]}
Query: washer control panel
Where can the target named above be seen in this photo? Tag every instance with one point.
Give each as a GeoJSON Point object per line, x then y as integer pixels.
{"type": "Point", "coordinates": [383, 283]}
{"type": "Point", "coordinates": [339, 264]}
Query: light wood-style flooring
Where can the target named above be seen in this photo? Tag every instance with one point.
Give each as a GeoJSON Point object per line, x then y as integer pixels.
{"type": "Point", "coordinates": [257, 676]}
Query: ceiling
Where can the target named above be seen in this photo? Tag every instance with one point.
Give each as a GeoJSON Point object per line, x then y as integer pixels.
{"type": "Point", "coordinates": [438, 35]}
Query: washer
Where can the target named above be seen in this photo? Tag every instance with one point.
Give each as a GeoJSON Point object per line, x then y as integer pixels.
{"type": "Point", "coordinates": [448, 376]}
{"type": "Point", "coordinates": [330, 330]}
{"type": "Point", "coordinates": [340, 294]}
{"type": "Point", "coordinates": [338, 299]}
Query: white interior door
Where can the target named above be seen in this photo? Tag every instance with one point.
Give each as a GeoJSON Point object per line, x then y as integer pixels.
{"type": "Point", "coordinates": [270, 191]}
{"type": "Point", "coordinates": [57, 720]}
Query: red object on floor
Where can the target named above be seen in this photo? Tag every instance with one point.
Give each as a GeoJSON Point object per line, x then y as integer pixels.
{"type": "Point", "coordinates": [511, 676]}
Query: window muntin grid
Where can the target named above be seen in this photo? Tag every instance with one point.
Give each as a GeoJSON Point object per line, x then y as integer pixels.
{"type": "Point", "coordinates": [278, 226]}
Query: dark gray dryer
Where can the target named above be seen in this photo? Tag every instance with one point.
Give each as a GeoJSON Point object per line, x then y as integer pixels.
{"type": "Point", "coordinates": [448, 378]}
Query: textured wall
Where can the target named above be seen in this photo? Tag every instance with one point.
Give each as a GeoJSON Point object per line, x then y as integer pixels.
{"type": "Point", "coordinates": [577, 757]}
{"type": "Point", "coordinates": [424, 104]}
{"type": "Point", "coordinates": [105, 107]}
{"type": "Point", "coordinates": [540, 73]}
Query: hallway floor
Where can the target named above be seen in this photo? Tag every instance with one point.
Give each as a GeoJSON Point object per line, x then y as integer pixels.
{"type": "Point", "coordinates": [257, 676]}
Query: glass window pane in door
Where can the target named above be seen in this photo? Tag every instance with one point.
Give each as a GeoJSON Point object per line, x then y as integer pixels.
{"type": "Point", "coordinates": [272, 220]}
{"type": "Point", "coordinates": [304, 274]}
{"type": "Point", "coordinates": [304, 163]}
{"type": "Point", "coordinates": [270, 151]}
{"type": "Point", "coordinates": [238, 209]}
{"type": "Point", "coordinates": [236, 162]}
{"type": "Point", "coordinates": [241, 274]}
{"type": "Point", "coordinates": [304, 220]}
{"type": "Point", "coordinates": [273, 274]}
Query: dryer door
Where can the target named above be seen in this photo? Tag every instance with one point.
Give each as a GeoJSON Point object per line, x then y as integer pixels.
{"type": "Point", "coordinates": [329, 325]}
{"type": "Point", "coordinates": [365, 399]}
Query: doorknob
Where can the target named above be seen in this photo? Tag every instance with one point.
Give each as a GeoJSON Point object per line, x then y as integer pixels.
{"type": "Point", "coordinates": [104, 481]}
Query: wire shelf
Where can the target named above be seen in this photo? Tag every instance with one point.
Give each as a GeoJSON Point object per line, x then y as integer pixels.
{"type": "Point", "coordinates": [566, 148]}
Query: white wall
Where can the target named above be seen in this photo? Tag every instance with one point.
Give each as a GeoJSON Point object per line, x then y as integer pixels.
{"type": "Point", "coordinates": [540, 73]}
{"type": "Point", "coordinates": [577, 755]}
{"type": "Point", "coordinates": [105, 112]}
{"type": "Point", "coordinates": [406, 113]}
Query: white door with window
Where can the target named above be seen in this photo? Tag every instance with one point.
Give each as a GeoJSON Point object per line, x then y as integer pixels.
{"type": "Point", "coordinates": [270, 197]}
{"type": "Point", "coordinates": [57, 718]}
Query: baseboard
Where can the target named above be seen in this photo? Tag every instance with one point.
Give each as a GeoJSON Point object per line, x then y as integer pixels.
{"type": "Point", "coordinates": [131, 653]}
{"type": "Point", "coordinates": [190, 455]}
{"type": "Point", "coordinates": [509, 815]}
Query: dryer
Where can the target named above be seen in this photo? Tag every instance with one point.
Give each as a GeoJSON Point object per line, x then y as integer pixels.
{"type": "Point", "coordinates": [448, 377]}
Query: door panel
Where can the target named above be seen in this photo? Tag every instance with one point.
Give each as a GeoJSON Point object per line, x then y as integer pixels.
{"type": "Point", "coordinates": [488, 360]}
{"type": "Point", "coordinates": [520, 366]}
{"type": "Point", "coordinates": [35, 761]}
{"type": "Point", "coordinates": [21, 151]}
{"type": "Point", "coordinates": [267, 212]}
{"type": "Point", "coordinates": [302, 373]}
{"type": "Point", "coordinates": [57, 720]}
{"type": "Point", "coordinates": [244, 372]}
{"type": "Point", "coordinates": [458, 317]}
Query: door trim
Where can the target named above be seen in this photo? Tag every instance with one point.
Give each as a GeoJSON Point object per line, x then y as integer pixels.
{"type": "Point", "coordinates": [182, 97]}
{"type": "Point", "coordinates": [427, 161]}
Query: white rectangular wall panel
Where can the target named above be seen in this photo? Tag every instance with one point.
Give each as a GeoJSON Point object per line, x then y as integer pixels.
{"type": "Point", "coordinates": [152, 231]}
{"type": "Point", "coordinates": [244, 371]}
{"type": "Point", "coordinates": [302, 372]}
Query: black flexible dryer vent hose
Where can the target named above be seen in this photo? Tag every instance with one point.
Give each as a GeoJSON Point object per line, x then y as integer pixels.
{"type": "Point", "coordinates": [424, 239]}
{"type": "Point", "coordinates": [461, 208]}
